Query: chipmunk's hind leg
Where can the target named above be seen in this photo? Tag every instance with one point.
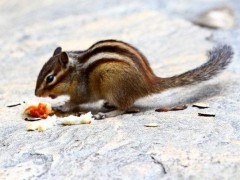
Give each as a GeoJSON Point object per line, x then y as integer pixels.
{"type": "Point", "coordinates": [115, 98]}
{"type": "Point", "coordinates": [121, 86]}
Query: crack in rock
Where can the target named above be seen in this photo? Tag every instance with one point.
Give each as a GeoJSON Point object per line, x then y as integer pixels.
{"type": "Point", "coordinates": [159, 163]}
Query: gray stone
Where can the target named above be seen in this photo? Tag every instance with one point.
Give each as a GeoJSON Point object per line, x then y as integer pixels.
{"type": "Point", "coordinates": [183, 146]}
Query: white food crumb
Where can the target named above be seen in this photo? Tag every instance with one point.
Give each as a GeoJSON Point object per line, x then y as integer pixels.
{"type": "Point", "coordinates": [51, 121]}
{"type": "Point", "coordinates": [41, 125]}
{"type": "Point", "coordinates": [151, 125]}
{"type": "Point", "coordinates": [74, 120]}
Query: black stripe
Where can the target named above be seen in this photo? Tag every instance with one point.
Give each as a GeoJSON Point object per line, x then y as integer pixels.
{"type": "Point", "coordinates": [104, 41]}
{"type": "Point", "coordinates": [111, 49]}
{"type": "Point", "coordinates": [121, 42]}
{"type": "Point", "coordinates": [136, 56]}
{"type": "Point", "coordinates": [92, 66]}
{"type": "Point", "coordinates": [140, 63]}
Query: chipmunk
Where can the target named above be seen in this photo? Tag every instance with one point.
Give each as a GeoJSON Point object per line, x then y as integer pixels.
{"type": "Point", "coordinates": [117, 72]}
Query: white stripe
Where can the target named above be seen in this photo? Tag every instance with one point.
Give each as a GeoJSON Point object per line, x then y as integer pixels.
{"type": "Point", "coordinates": [105, 44]}
{"type": "Point", "coordinates": [122, 45]}
{"type": "Point", "coordinates": [106, 55]}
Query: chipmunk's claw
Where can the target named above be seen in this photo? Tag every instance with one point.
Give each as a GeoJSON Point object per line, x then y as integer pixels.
{"type": "Point", "coordinates": [114, 113]}
{"type": "Point", "coordinates": [99, 116]}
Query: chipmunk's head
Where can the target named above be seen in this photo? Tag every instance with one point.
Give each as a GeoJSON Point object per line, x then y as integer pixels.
{"type": "Point", "coordinates": [53, 78]}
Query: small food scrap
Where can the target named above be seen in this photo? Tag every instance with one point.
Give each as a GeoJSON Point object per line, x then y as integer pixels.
{"type": "Point", "coordinates": [163, 109]}
{"type": "Point", "coordinates": [40, 110]}
{"type": "Point", "coordinates": [151, 125]}
{"type": "Point", "coordinates": [133, 110]}
{"type": "Point", "coordinates": [74, 120]}
{"type": "Point", "coordinates": [32, 119]}
{"type": "Point", "coordinates": [14, 105]}
{"type": "Point", "coordinates": [176, 108]}
{"type": "Point", "coordinates": [201, 105]}
{"type": "Point", "coordinates": [41, 125]}
{"type": "Point", "coordinates": [206, 114]}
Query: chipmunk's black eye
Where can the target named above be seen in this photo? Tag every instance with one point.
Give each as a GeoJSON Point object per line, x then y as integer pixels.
{"type": "Point", "coordinates": [50, 78]}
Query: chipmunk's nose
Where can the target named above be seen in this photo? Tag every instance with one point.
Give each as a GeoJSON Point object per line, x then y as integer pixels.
{"type": "Point", "coordinates": [38, 93]}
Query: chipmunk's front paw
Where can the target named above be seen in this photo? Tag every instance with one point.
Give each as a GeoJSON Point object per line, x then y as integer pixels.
{"type": "Point", "coordinates": [61, 108]}
{"type": "Point", "coordinates": [67, 107]}
{"type": "Point", "coordinates": [99, 116]}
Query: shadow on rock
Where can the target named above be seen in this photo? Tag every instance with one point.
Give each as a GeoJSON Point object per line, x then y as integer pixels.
{"type": "Point", "coordinates": [187, 95]}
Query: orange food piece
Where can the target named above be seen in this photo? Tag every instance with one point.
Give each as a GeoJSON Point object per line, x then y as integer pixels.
{"type": "Point", "coordinates": [39, 111]}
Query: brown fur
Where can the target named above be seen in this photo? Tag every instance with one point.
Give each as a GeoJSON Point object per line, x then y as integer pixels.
{"type": "Point", "coordinates": [119, 81]}
{"type": "Point", "coordinates": [122, 48]}
{"type": "Point", "coordinates": [61, 83]}
{"type": "Point", "coordinates": [114, 81]}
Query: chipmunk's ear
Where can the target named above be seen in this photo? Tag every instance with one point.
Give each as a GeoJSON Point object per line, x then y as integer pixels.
{"type": "Point", "coordinates": [57, 51]}
{"type": "Point", "coordinates": [64, 59]}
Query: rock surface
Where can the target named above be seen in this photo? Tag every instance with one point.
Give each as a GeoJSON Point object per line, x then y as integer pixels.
{"type": "Point", "coordinates": [184, 146]}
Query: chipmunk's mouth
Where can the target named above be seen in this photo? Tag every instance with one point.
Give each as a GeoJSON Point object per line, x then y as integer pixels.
{"type": "Point", "coordinates": [52, 96]}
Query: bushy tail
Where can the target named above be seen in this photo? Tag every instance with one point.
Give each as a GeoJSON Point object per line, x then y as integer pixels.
{"type": "Point", "coordinates": [218, 59]}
